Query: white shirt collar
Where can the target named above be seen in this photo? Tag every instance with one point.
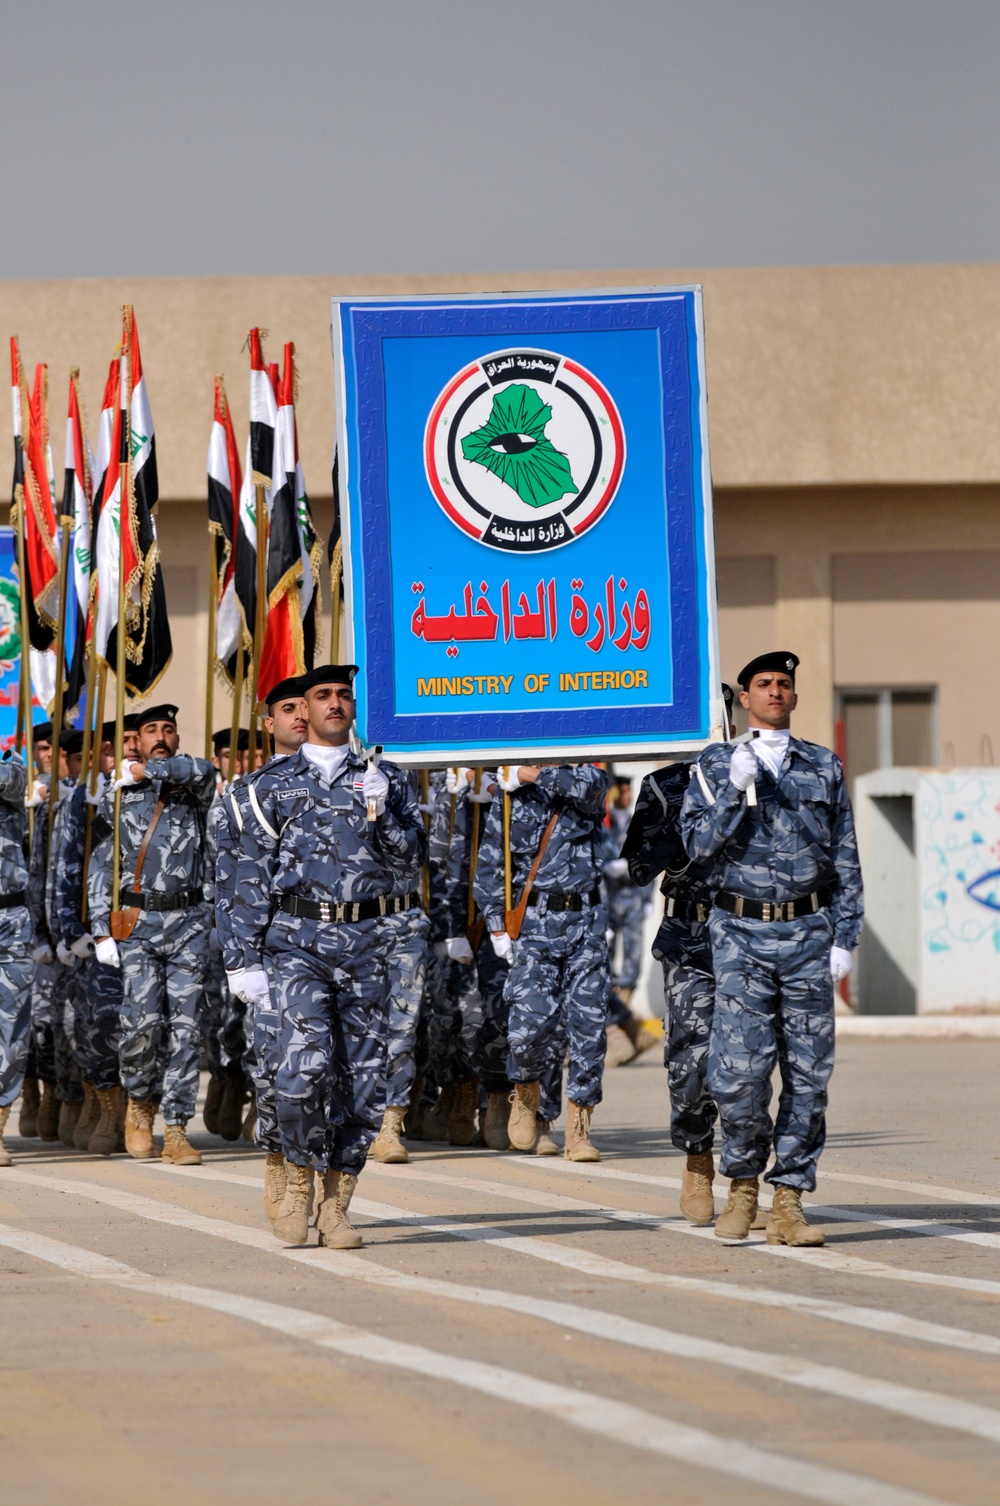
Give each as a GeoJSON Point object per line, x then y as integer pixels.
{"type": "Point", "coordinates": [329, 761]}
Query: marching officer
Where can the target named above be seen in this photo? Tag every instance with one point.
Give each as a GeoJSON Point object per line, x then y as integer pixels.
{"type": "Point", "coordinates": [559, 964]}
{"type": "Point", "coordinates": [16, 966]}
{"type": "Point", "coordinates": [773, 818]}
{"type": "Point", "coordinates": [163, 925]}
{"type": "Point", "coordinates": [325, 837]}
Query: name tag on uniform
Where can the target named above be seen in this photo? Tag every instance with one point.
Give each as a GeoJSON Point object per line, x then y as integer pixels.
{"type": "Point", "coordinates": [291, 794]}
{"type": "Point", "coordinates": [135, 795]}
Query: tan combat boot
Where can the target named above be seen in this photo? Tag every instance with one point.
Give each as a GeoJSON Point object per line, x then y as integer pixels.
{"type": "Point", "coordinates": [697, 1202]}
{"type": "Point", "coordinates": [213, 1102]}
{"type": "Point", "coordinates": [69, 1117]}
{"type": "Point", "coordinates": [139, 1129]}
{"type": "Point", "coordinates": [335, 1229]}
{"type": "Point", "coordinates": [89, 1115]}
{"type": "Point", "coordinates": [27, 1124]}
{"type": "Point", "coordinates": [495, 1123]}
{"type": "Point", "coordinates": [578, 1143]}
{"type": "Point", "coordinates": [522, 1126]}
{"type": "Point", "coordinates": [274, 1183]}
{"type": "Point", "coordinates": [787, 1224]}
{"type": "Point", "coordinates": [641, 1037]}
{"type": "Point", "coordinates": [6, 1159]}
{"type": "Point", "coordinates": [388, 1145]}
{"type": "Point", "coordinates": [177, 1149]}
{"type": "Point", "coordinates": [546, 1145]}
{"type": "Point", "coordinates": [736, 1219]}
{"type": "Point", "coordinates": [413, 1128]}
{"type": "Point", "coordinates": [291, 1222]}
{"type": "Point", "coordinates": [436, 1118]}
{"type": "Point", "coordinates": [250, 1121]}
{"type": "Point", "coordinates": [104, 1136]}
{"type": "Point", "coordinates": [462, 1119]}
{"type": "Point", "coordinates": [48, 1113]}
{"type": "Point", "coordinates": [619, 1050]}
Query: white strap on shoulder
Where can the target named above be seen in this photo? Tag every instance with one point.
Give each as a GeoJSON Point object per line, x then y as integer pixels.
{"type": "Point", "coordinates": [659, 795]}
{"type": "Point", "coordinates": [232, 806]}
{"type": "Point", "coordinates": [252, 797]}
{"type": "Point", "coordinates": [706, 788]}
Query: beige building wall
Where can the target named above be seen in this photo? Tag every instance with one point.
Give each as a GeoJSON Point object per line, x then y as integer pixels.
{"type": "Point", "coordinates": [854, 439]}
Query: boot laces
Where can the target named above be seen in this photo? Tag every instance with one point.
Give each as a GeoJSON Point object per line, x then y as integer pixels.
{"type": "Point", "coordinates": [581, 1125]}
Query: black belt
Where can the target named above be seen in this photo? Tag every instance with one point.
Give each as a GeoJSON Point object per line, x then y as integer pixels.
{"type": "Point", "coordinates": [773, 909]}
{"type": "Point", "coordinates": [8, 901]}
{"type": "Point", "coordinates": [330, 911]}
{"type": "Point", "coordinates": [183, 899]}
{"type": "Point", "coordinates": [677, 907]}
{"type": "Point", "coordinates": [557, 902]}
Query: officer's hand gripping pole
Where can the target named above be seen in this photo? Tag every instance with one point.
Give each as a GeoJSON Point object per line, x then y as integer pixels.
{"type": "Point", "coordinates": [360, 751]}
{"type": "Point", "coordinates": [751, 790]}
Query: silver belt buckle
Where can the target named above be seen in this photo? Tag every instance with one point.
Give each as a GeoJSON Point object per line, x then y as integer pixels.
{"type": "Point", "coordinates": [381, 904]}
{"type": "Point", "coordinates": [324, 912]}
{"type": "Point", "coordinates": [338, 913]}
{"type": "Point", "coordinates": [671, 898]}
{"type": "Point", "coordinates": [738, 909]}
{"type": "Point", "coordinates": [766, 908]}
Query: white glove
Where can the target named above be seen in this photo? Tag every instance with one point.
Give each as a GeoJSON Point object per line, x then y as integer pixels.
{"type": "Point", "coordinates": [95, 797]}
{"type": "Point", "coordinates": [42, 953]}
{"type": "Point", "coordinates": [841, 963]}
{"type": "Point", "coordinates": [456, 779]}
{"type": "Point", "coordinates": [503, 946]}
{"type": "Point", "coordinates": [426, 810]}
{"type": "Point", "coordinates": [66, 957]}
{"type": "Point", "coordinates": [375, 786]}
{"type": "Point", "coordinates": [617, 868]}
{"type": "Point", "coordinates": [250, 985]}
{"type": "Point", "coordinates": [486, 792]}
{"type": "Point", "coordinates": [743, 767]}
{"type": "Point", "coordinates": [83, 946]}
{"type": "Point", "coordinates": [106, 951]}
{"type": "Point", "coordinates": [510, 782]}
{"type": "Point", "coordinates": [39, 795]}
{"type": "Point", "coordinates": [126, 778]}
{"type": "Point", "coordinates": [458, 949]}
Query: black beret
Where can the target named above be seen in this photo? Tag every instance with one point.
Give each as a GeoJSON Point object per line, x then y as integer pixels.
{"type": "Point", "coordinates": [285, 690]}
{"type": "Point", "coordinates": [162, 713]}
{"type": "Point", "coordinates": [328, 674]}
{"type": "Point", "coordinates": [224, 737]}
{"type": "Point", "coordinates": [132, 722]}
{"type": "Point", "coordinates": [41, 732]}
{"type": "Point", "coordinates": [71, 741]}
{"type": "Point", "coordinates": [780, 662]}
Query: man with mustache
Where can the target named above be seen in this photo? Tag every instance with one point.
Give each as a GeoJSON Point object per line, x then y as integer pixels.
{"type": "Point", "coordinates": [287, 724]}
{"type": "Point", "coordinates": [325, 837]}
{"type": "Point", "coordinates": [162, 924]}
{"type": "Point", "coordinates": [772, 817]}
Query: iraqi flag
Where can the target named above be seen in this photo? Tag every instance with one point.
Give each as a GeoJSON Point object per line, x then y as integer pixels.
{"type": "Point", "coordinates": [225, 480]}
{"type": "Point", "coordinates": [33, 496]}
{"type": "Point", "coordinates": [293, 553]}
{"type": "Point", "coordinates": [77, 504]}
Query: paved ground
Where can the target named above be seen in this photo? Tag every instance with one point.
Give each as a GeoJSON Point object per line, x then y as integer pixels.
{"type": "Point", "coordinates": [519, 1328]}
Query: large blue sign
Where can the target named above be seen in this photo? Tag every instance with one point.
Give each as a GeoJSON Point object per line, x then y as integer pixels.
{"type": "Point", "coordinates": [527, 524]}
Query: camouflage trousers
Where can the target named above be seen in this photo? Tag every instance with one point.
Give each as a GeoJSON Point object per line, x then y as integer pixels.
{"type": "Point", "coordinates": [492, 1048]}
{"type": "Point", "coordinates": [163, 976]}
{"type": "Point", "coordinates": [773, 1006]}
{"type": "Point", "coordinates": [626, 909]}
{"type": "Point", "coordinates": [53, 1030]}
{"type": "Point", "coordinates": [16, 969]}
{"type": "Point", "coordinates": [329, 982]}
{"type": "Point", "coordinates": [405, 940]}
{"type": "Point", "coordinates": [560, 970]}
{"type": "Point", "coordinates": [689, 999]}
{"type": "Point", "coordinates": [454, 1011]}
{"type": "Point", "coordinates": [97, 994]}
{"type": "Point", "coordinates": [266, 1054]}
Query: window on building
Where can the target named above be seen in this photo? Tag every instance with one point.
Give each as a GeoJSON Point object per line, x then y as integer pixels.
{"type": "Point", "coordinates": [886, 728]}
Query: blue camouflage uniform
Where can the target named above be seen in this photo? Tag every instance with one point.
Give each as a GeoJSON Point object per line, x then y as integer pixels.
{"type": "Point", "coordinates": [405, 938]}
{"type": "Point", "coordinates": [774, 991]}
{"type": "Point", "coordinates": [306, 838]}
{"type": "Point", "coordinates": [16, 966]}
{"type": "Point", "coordinates": [653, 846]}
{"type": "Point", "coordinates": [626, 902]}
{"type": "Point", "coordinates": [52, 986]}
{"type": "Point", "coordinates": [228, 1031]}
{"type": "Point", "coordinates": [165, 959]}
{"type": "Point", "coordinates": [97, 989]}
{"type": "Point", "coordinates": [479, 1014]}
{"type": "Point", "coordinates": [561, 958]}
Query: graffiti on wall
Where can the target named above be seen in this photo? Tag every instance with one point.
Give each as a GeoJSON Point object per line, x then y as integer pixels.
{"type": "Point", "coordinates": [959, 860]}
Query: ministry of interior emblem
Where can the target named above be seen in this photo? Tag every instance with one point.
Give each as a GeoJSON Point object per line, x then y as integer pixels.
{"type": "Point", "coordinates": [524, 450]}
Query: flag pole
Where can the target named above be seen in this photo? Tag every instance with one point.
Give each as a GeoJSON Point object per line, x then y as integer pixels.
{"type": "Point", "coordinates": [125, 399]}
{"type": "Point", "coordinates": [508, 902]}
{"type": "Point", "coordinates": [336, 565]}
{"type": "Point", "coordinates": [95, 767]}
{"type": "Point", "coordinates": [261, 619]}
{"type": "Point", "coordinates": [65, 524]}
{"type": "Point", "coordinates": [234, 731]}
{"type": "Point", "coordinates": [470, 913]}
{"type": "Point", "coordinates": [425, 875]}
{"type": "Point", "coordinates": [24, 687]}
{"type": "Point", "coordinates": [213, 606]}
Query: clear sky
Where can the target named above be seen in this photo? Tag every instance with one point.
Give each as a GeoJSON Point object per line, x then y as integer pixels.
{"type": "Point", "coordinates": [233, 136]}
